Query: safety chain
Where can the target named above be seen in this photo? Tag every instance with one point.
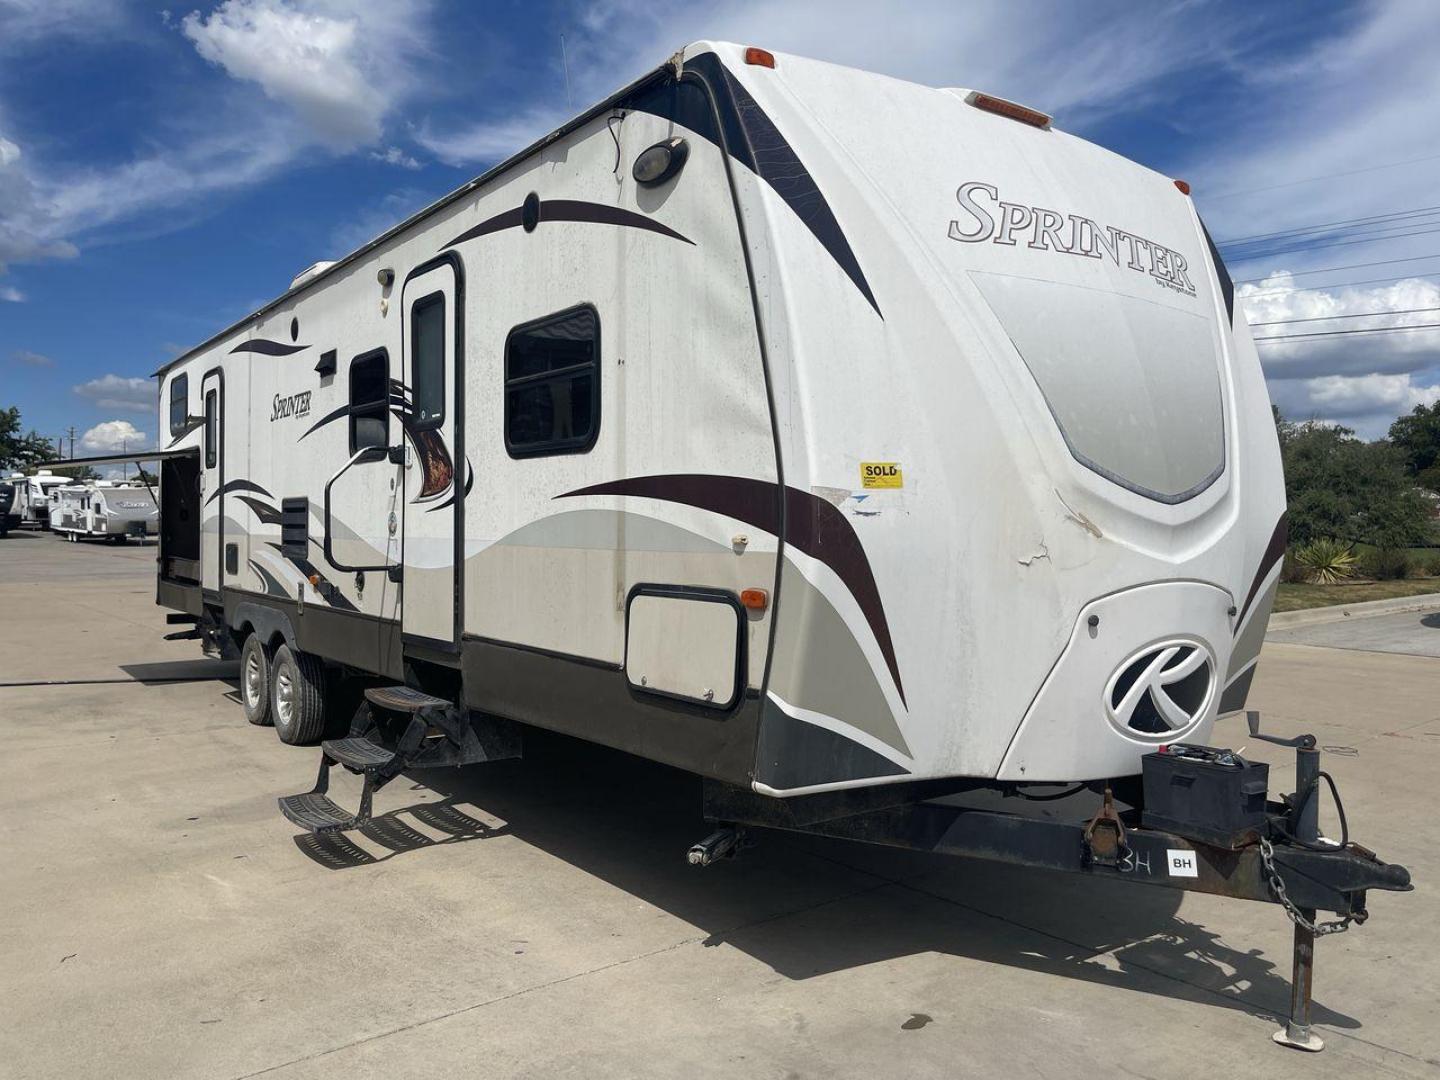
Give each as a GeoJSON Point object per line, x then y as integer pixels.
{"type": "Point", "coordinates": [1277, 886]}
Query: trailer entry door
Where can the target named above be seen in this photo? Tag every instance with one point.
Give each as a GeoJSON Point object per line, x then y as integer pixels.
{"type": "Point", "coordinates": [435, 469]}
{"type": "Point", "coordinates": [212, 482]}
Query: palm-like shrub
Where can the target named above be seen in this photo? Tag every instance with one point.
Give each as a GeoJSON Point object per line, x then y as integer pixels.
{"type": "Point", "coordinates": [1326, 562]}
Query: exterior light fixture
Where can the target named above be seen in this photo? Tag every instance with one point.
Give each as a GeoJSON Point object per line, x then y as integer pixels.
{"type": "Point", "coordinates": [660, 162]}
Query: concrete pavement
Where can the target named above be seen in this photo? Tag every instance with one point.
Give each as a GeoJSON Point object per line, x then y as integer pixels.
{"type": "Point", "coordinates": [537, 919]}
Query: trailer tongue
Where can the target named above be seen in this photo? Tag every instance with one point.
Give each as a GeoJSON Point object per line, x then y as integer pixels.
{"type": "Point", "coordinates": [1279, 858]}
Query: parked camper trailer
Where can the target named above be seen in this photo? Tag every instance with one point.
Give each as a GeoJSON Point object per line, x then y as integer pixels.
{"type": "Point", "coordinates": [117, 512]}
{"type": "Point", "coordinates": [8, 519]}
{"type": "Point", "coordinates": [873, 457]}
{"type": "Point", "coordinates": [843, 441]}
{"type": "Point", "coordinates": [34, 496]}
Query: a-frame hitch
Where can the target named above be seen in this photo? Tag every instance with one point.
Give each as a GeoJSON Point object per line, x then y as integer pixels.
{"type": "Point", "coordinates": [1282, 860]}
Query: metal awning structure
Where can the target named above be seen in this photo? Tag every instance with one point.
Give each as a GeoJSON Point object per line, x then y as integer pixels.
{"type": "Point", "coordinates": [132, 458]}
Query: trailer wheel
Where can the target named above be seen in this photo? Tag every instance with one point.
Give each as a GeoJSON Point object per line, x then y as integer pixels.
{"type": "Point", "coordinates": [255, 681]}
{"type": "Point", "coordinates": [297, 696]}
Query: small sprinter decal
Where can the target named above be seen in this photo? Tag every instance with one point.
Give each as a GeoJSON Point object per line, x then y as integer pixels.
{"type": "Point", "coordinates": [293, 405]}
{"type": "Point", "coordinates": [881, 474]}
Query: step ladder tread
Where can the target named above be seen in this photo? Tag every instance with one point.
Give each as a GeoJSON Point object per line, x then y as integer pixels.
{"type": "Point", "coordinates": [315, 812]}
{"type": "Point", "coordinates": [402, 698]}
{"type": "Point", "coordinates": [357, 753]}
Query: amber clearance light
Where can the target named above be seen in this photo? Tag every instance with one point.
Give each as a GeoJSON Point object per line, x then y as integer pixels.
{"type": "Point", "coordinates": [759, 57]}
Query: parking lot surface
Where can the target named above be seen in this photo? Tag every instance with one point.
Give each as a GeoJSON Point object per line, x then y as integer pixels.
{"type": "Point", "coordinates": [537, 918]}
{"type": "Point", "coordinates": [1412, 633]}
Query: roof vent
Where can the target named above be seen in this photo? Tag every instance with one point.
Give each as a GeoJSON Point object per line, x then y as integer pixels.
{"type": "Point", "coordinates": [311, 272]}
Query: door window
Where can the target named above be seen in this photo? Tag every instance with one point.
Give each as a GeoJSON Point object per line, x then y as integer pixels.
{"type": "Point", "coordinates": [212, 425]}
{"type": "Point", "coordinates": [427, 360]}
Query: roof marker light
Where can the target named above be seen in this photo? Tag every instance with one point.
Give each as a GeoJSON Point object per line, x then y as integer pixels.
{"type": "Point", "coordinates": [1011, 109]}
{"type": "Point", "coordinates": [759, 57]}
{"type": "Point", "coordinates": [754, 599]}
{"type": "Point", "coordinates": [1184, 186]}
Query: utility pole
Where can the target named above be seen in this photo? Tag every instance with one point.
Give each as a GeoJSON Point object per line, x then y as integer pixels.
{"type": "Point", "coordinates": [72, 440]}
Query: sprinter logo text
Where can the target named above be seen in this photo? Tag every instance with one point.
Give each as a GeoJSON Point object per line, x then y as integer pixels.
{"type": "Point", "coordinates": [988, 217]}
{"type": "Point", "coordinates": [294, 405]}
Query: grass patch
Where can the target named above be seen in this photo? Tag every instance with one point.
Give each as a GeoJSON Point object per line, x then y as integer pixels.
{"type": "Point", "coordinates": [1298, 597]}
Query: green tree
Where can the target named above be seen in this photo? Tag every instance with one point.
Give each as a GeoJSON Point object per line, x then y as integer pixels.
{"type": "Point", "coordinates": [76, 472]}
{"type": "Point", "coordinates": [19, 451]}
{"type": "Point", "coordinates": [1336, 485]}
{"type": "Point", "coordinates": [1418, 437]}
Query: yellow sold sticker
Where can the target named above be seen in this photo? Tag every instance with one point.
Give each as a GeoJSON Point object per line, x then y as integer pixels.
{"type": "Point", "coordinates": [881, 474]}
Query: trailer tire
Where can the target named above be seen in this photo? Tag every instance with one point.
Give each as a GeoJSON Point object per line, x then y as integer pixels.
{"type": "Point", "coordinates": [297, 696]}
{"type": "Point", "coordinates": [255, 682]}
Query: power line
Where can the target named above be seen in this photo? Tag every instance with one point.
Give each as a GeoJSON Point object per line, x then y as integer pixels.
{"type": "Point", "coordinates": [1326, 176]}
{"type": "Point", "coordinates": [1346, 266]}
{"type": "Point", "coordinates": [1357, 315]}
{"type": "Point", "coordinates": [1379, 230]}
{"type": "Point", "coordinates": [1342, 284]}
{"type": "Point", "coordinates": [1245, 257]}
{"type": "Point", "coordinates": [1338, 333]}
{"type": "Point", "coordinates": [1328, 225]}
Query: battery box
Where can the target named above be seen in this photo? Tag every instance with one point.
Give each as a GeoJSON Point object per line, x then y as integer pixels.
{"type": "Point", "coordinates": [1204, 793]}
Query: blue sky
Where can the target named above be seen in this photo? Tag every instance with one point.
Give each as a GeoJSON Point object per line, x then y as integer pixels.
{"type": "Point", "coordinates": [165, 171]}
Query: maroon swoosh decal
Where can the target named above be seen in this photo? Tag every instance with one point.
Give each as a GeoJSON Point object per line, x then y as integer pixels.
{"type": "Point", "coordinates": [570, 210]}
{"type": "Point", "coordinates": [811, 524]}
{"type": "Point", "coordinates": [1274, 552]}
{"type": "Point", "coordinates": [266, 347]}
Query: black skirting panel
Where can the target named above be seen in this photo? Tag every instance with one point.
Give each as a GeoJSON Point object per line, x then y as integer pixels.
{"type": "Point", "coordinates": [596, 702]}
{"type": "Point", "coordinates": [345, 637]}
{"type": "Point", "coordinates": [177, 597]}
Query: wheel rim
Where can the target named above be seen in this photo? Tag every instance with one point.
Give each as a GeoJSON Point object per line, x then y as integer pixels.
{"type": "Point", "coordinates": [252, 681]}
{"type": "Point", "coordinates": [284, 697]}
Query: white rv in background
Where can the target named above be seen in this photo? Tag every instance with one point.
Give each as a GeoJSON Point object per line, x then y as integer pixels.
{"type": "Point", "coordinates": [34, 496]}
{"type": "Point", "coordinates": [796, 426]}
{"type": "Point", "coordinates": [104, 510]}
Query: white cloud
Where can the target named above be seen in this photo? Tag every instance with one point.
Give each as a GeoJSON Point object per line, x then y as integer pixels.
{"type": "Point", "coordinates": [341, 66]}
{"type": "Point", "coordinates": [488, 142]}
{"type": "Point", "coordinates": [23, 22]}
{"type": "Point", "coordinates": [1277, 301]}
{"type": "Point", "coordinates": [393, 155]}
{"type": "Point", "coordinates": [1340, 112]}
{"type": "Point", "coordinates": [27, 225]}
{"type": "Point", "coordinates": [31, 359]}
{"type": "Point", "coordinates": [11, 294]}
{"type": "Point", "coordinates": [1080, 61]}
{"type": "Point", "coordinates": [119, 392]}
{"type": "Point", "coordinates": [1360, 380]}
{"type": "Point", "coordinates": [113, 437]}
{"type": "Point", "coordinates": [368, 223]}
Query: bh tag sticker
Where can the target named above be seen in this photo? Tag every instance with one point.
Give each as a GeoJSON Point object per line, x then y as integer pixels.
{"type": "Point", "coordinates": [1181, 862]}
{"type": "Point", "coordinates": [881, 474]}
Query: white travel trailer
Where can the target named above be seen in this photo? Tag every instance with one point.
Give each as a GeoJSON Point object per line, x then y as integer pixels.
{"type": "Point", "coordinates": [116, 512]}
{"type": "Point", "coordinates": [735, 429]}
{"type": "Point", "coordinates": [34, 496]}
{"type": "Point", "coordinates": [843, 441]}
{"type": "Point", "coordinates": [8, 518]}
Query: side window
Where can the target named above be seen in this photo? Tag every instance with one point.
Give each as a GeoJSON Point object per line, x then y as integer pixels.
{"type": "Point", "coordinates": [370, 400]}
{"type": "Point", "coordinates": [552, 384]}
{"type": "Point", "coordinates": [427, 358]}
{"type": "Point", "coordinates": [179, 403]}
{"type": "Point", "coordinates": [212, 428]}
